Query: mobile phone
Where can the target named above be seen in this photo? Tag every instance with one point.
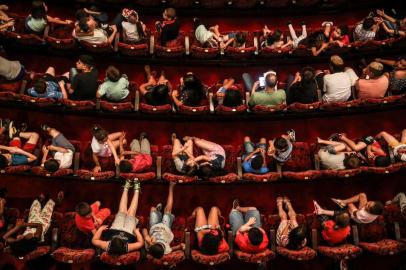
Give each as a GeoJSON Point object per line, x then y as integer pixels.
{"type": "Point", "coordinates": [261, 82]}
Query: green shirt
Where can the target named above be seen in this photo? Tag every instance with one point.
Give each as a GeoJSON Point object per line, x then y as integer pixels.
{"type": "Point", "coordinates": [115, 91]}
{"type": "Point", "coordinates": [268, 98]}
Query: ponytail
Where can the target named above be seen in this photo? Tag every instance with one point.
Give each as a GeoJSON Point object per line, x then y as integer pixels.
{"type": "Point", "coordinates": [99, 133]}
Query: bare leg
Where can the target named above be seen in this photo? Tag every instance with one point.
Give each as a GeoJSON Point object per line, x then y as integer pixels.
{"type": "Point", "coordinates": [403, 138]}
{"type": "Point", "coordinates": [176, 146]}
{"type": "Point", "coordinates": [213, 218]}
{"type": "Point", "coordinates": [388, 138]}
{"type": "Point", "coordinates": [51, 71]}
{"type": "Point", "coordinates": [245, 209]}
{"type": "Point", "coordinates": [291, 212]}
{"type": "Point", "coordinates": [354, 146]}
{"type": "Point", "coordinates": [115, 136]}
{"type": "Point", "coordinates": [134, 204]}
{"type": "Point", "coordinates": [360, 198]}
{"type": "Point", "coordinates": [281, 212]}
{"type": "Point", "coordinates": [32, 137]}
{"type": "Point", "coordinates": [169, 200]}
{"type": "Point", "coordinates": [204, 144]}
{"type": "Point", "coordinates": [189, 147]}
{"type": "Point", "coordinates": [338, 146]}
{"type": "Point", "coordinates": [123, 201]}
{"type": "Point", "coordinates": [116, 143]}
{"type": "Point", "coordinates": [200, 217]}
{"type": "Point", "coordinates": [351, 208]}
{"type": "Point", "coordinates": [292, 32]}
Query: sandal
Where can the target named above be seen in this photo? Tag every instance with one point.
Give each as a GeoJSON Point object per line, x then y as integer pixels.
{"type": "Point", "coordinates": [338, 202]}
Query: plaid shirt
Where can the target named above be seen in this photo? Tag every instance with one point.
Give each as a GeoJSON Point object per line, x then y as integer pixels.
{"type": "Point", "coordinates": [360, 34]}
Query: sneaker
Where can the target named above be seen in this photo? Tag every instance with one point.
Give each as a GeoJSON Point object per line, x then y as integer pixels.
{"type": "Point", "coordinates": [158, 207]}
{"type": "Point", "coordinates": [137, 185]}
{"type": "Point", "coordinates": [343, 265]}
{"type": "Point", "coordinates": [12, 130]}
{"type": "Point", "coordinates": [44, 127]}
{"type": "Point", "coordinates": [236, 203]}
{"type": "Point", "coordinates": [292, 134]}
{"type": "Point", "coordinates": [128, 184]}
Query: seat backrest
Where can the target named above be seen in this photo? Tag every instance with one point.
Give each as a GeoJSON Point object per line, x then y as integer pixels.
{"type": "Point", "coordinates": [301, 158]}
{"type": "Point", "coordinates": [374, 231]}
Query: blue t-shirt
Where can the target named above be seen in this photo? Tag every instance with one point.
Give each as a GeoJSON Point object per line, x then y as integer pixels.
{"type": "Point", "coordinates": [248, 169]}
{"type": "Point", "coordinates": [18, 159]}
{"type": "Point", "coordinates": [53, 91]}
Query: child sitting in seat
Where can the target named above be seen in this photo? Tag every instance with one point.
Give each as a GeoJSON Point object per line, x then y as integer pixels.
{"type": "Point", "coordinates": [209, 38]}
{"type": "Point", "coordinates": [134, 30]}
{"type": "Point", "coordinates": [140, 154]}
{"type": "Point", "coordinates": [228, 94]}
{"type": "Point", "coordinates": [168, 29]}
{"type": "Point", "coordinates": [254, 160]}
{"type": "Point", "coordinates": [115, 85]}
{"type": "Point", "coordinates": [156, 92]}
{"type": "Point", "coordinates": [275, 39]}
{"type": "Point", "coordinates": [89, 218]}
{"type": "Point", "coordinates": [340, 36]}
{"type": "Point", "coordinates": [105, 145]}
{"type": "Point", "coordinates": [182, 156]}
{"type": "Point", "coordinates": [61, 151]}
{"type": "Point", "coordinates": [281, 148]}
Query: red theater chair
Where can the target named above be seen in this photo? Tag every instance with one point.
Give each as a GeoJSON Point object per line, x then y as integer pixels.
{"type": "Point", "coordinates": [396, 222]}
{"type": "Point", "coordinates": [21, 35]}
{"type": "Point", "coordinates": [304, 254]}
{"type": "Point", "coordinates": [168, 167]}
{"type": "Point", "coordinates": [271, 52]}
{"type": "Point", "coordinates": [96, 47]}
{"type": "Point", "coordinates": [79, 105]}
{"type": "Point", "coordinates": [9, 90]}
{"type": "Point", "coordinates": [340, 106]}
{"type": "Point", "coordinates": [225, 110]}
{"type": "Point", "coordinates": [204, 107]}
{"type": "Point", "coordinates": [139, 49]}
{"type": "Point", "coordinates": [152, 173]}
{"type": "Point", "coordinates": [242, 53]}
{"type": "Point", "coordinates": [142, 106]}
{"type": "Point", "coordinates": [125, 105]}
{"type": "Point", "coordinates": [301, 107]}
{"type": "Point", "coordinates": [230, 166]}
{"type": "Point", "coordinates": [262, 109]}
{"type": "Point", "coordinates": [175, 48]}
{"type": "Point", "coordinates": [60, 37]}
{"type": "Point", "coordinates": [36, 101]}
{"type": "Point", "coordinates": [197, 51]}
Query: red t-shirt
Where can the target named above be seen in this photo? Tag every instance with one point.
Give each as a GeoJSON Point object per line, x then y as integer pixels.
{"type": "Point", "coordinates": [223, 246]}
{"type": "Point", "coordinates": [86, 224]}
{"type": "Point", "coordinates": [244, 244]}
{"type": "Point", "coordinates": [333, 236]}
{"type": "Point", "coordinates": [141, 162]}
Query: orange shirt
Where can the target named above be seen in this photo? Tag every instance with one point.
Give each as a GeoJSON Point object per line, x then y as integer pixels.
{"type": "Point", "coordinates": [334, 236]}
{"type": "Point", "coordinates": [86, 224]}
{"type": "Point", "coordinates": [244, 244]}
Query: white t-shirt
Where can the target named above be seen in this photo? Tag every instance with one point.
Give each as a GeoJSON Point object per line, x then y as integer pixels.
{"type": "Point", "coordinates": [202, 34]}
{"type": "Point", "coordinates": [131, 31]}
{"type": "Point", "coordinates": [100, 149]}
{"type": "Point", "coordinates": [400, 156]}
{"type": "Point", "coordinates": [331, 161]}
{"type": "Point", "coordinates": [99, 36]}
{"type": "Point", "coordinates": [65, 159]}
{"type": "Point", "coordinates": [362, 216]}
{"type": "Point", "coordinates": [162, 234]}
{"type": "Point", "coordinates": [337, 86]}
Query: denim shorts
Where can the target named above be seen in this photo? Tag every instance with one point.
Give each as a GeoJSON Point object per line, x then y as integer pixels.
{"type": "Point", "coordinates": [156, 217]}
{"type": "Point", "coordinates": [237, 219]}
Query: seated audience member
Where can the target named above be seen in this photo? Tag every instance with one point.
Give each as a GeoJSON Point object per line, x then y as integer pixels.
{"type": "Point", "coordinates": [140, 155]}
{"type": "Point", "coordinates": [254, 160]}
{"type": "Point", "coordinates": [340, 36]}
{"type": "Point", "coordinates": [88, 30]}
{"type": "Point", "coordinates": [303, 87]}
{"type": "Point", "coordinates": [366, 212]}
{"type": "Point", "coordinates": [397, 77]}
{"type": "Point", "coordinates": [159, 237]}
{"type": "Point", "coordinates": [115, 85]}
{"type": "Point", "coordinates": [274, 40]}
{"type": "Point", "coordinates": [11, 70]}
{"type": "Point", "coordinates": [398, 147]}
{"type": "Point", "coordinates": [236, 40]}
{"type": "Point", "coordinates": [183, 156]}
{"type": "Point", "coordinates": [296, 40]}
{"type": "Point", "coordinates": [168, 29]}
{"type": "Point", "coordinates": [133, 30]}
{"type": "Point", "coordinates": [289, 234]}
{"type": "Point", "coordinates": [335, 224]}
{"type": "Point", "coordinates": [123, 236]}
{"type": "Point", "coordinates": [61, 151]}
{"type": "Point", "coordinates": [319, 40]}
{"type": "Point", "coordinates": [229, 95]}
{"type": "Point", "coordinates": [105, 145]}
{"type": "Point", "coordinates": [333, 156]}
{"type": "Point", "coordinates": [337, 85]}
{"type": "Point", "coordinates": [281, 148]}
{"type": "Point", "coordinates": [191, 92]}
{"type": "Point", "coordinates": [16, 153]}
{"type": "Point", "coordinates": [206, 37]}
{"type": "Point", "coordinates": [247, 229]}
{"type": "Point", "coordinates": [368, 147]}
{"type": "Point", "coordinates": [25, 237]}
{"type": "Point", "coordinates": [209, 234]}
{"type": "Point", "coordinates": [6, 23]}
{"type": "Point", "coordinates": [38, 19]}
{"type": "Point", "coordinates": [156, 92]}
{"type": "Point", "coordinates": [374, 83]}
{"type": "Point", "coordinates": [49, 86]}
{"type": "Point", "coordinates": [213, 160]}
{"type": "Point", "coordinates": [366, 30]}
{"type": "Point", "coordinates": [271, 95]}
{"type": "Point", "coordinates": [393, 27]}
{"type": "Point", "coordinates": [400, 199]}
{"type": "Point", "coordinates": [3, 194]}
{"type": "Point", "coordinates": [83, 79]}
{"type": "Point", "coordinates": [88, 218]}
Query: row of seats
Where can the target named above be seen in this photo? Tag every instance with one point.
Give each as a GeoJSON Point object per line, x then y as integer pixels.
{"type": "Point", "coordinates": [60, 37]}
{"type": "Point", "coordinates": [304, 165]}
{"type": "Point", "coordinates": [16, 92]}
{"type": "Point", "coordinates": [385, 236]}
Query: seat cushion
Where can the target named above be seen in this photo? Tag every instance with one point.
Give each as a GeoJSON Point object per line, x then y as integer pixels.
{"type": "Point", "coordinates": [306, 175]}
{"type": "Point", "coordinates": [179, 178]}
{"type": "Point", "coordinates": [124, 259]}
{"type": "Point", "coordinates": [303, 254]}
{"type": "Point", "coordinates": [341, 252]}
{"type": "Point", "coordinates": [38, 252]}
{"type": "Point", "coordinates": [383, 247]}
{"type": "Point", "coordinates": [146, 176]}
{"type": "Point", "coordinates": [16, 169]}
{"type": "Point", "coordinates": [170, 259]}
{"type": "Point", "coordinates": [68, 255]}
{"type": "Point", "coordinates": [217, 259]}
{"type": "Point", "coordinates": [255, 258]}
{"type": "Point", "coordinates": [42, 172]}
{"type": "Point", "coordinates": [228, 178]}
{"type": "Point", "coordinates": [89, 175]}
{"type": "Point", "coordinates": [267, 177]}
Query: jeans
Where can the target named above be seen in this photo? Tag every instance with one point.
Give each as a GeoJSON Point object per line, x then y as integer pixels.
{"type": "Point", "coordinates": [156, 217]}
{"type": "Point", "coordinates": [248, 81]}
{"type": "Point", "coordinates": [250, 147]}
{"type": "Point", "coordinates": [237, 219]}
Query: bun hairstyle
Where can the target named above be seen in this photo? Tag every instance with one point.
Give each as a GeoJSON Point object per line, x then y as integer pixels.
{"type": "Point", "coordinates": [99, 133]}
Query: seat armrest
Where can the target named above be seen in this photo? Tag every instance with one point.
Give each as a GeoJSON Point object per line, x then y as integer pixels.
{"type": "Point", "coordinates": [115, 42]}
{"type": "Point", "coordinates": [391, 155]}
{"type": "Point", "coordinates": [54, 241]}
{"type": "Point", "coordinates": [37, 153]}
{"type": "Point", "coordinates": [211, 102]}
{"type": "Point", "coordinates": [314, 239]}
{"type": "Point", "coordinates": [23, 87]}
{"type": "Point", "coordinates": [187, 244]}
{"type": "Point", "coordinates": [117, 171]}
{"type": "Point", "coordinates": [46, 32]}
{"type": "Point", "coordinates": [158, 167]}
{"type": "Point", "coordinates": [239, 168]}
{"type": "Point", "coordinates": [317, 162]}
{"type": "Point", "coordinates": [151, 44]}
{"type": "Point", "coordinates": [279, 169]}
{"type": "Point", "coordinates": [98, 103]}
{"type": "Point", "coordinates": [247, 100]}
{"type": "Point", "coordinates": [76, 163]}
{"type": "Point", "coordinates": [397, 231]}
{"type": "Point", "coordinates": [256, 44]}
{"type": "Point", "coordinates": [230, 241]}
{"type": "Point", "coordinates": [354, 92]}
{"type": "Point", "coordinates": [137, 101]}
{"type": "Point", "coordinates": [355, 234]}
{"type": "Point", "coordinates": [319, 94]}
{"type": "Point", "coordinates": [272, 236]}
{"type": "Point", "coordinates": [187, 45]}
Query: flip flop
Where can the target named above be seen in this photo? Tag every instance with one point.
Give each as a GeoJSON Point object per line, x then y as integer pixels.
{"type": "Point", "coordinates": [338, 202]}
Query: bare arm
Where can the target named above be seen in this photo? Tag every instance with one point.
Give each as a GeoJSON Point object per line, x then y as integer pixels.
{"type": "Point", "coordinates": [140, 241]}
{"type": "Point", "coordinates": [113, 151]}
{"type": "Point", "coordinates": [113, 35]}
{"type": "Point", "coordinates": [147, 237]}
{"type": "Point", "coordinates": [143, 88]}
{"type": "Point", "coordinates": [58, 149]}
{"type": "Point", "coordinates": [57, 20]}
{"type": "Point", "coordinates": [316, 51]}
{"type": "Point", "coordinates": [386, 61]}
{"type": "Point", "coordinates": [175, 98]}
{"type": "Point", "coordinates": [96, 238]}
{"type": "Point", "coordinates": [202, 158]}
{"type": "Point", "coordinates": [45, 152]}
{"type": "Point", "coordinates": [250, 155]}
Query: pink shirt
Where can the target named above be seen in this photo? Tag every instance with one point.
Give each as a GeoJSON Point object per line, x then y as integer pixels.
{"type": "Point", "coordinates": [372, 88]}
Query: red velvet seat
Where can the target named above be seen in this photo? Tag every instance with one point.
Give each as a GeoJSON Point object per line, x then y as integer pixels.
{"type": "Point", "coordinates": [96, 48]}
{"type": "Point", "coordinates": [300, 165]}
{"type": "Point", "coordinates": [36, 101]}
{"type": "Point", "coordinates": [175, 48]}
{"type": "Point", "coordinates": [198, 51]}
{"type": "Point", "coordinates": [302, 51]}
{"type": "Point", "coordinates": [10, 86]}
{"type": "Point", "coordinates": [8, 96]}
{"type": "Point", "coordinates": [395, 221]}
{"type": "Point", "coordinates": [168, 168]}
{"type": "Point", "coordinates": [87, 165]}
{"type": "Point", "coordinates": [304, 254]}
{"type": "Point", "coordinates": [342, 251]}
{"type": "Point", "coordinates": [126, 105]}
{"type": "Point", "coordinates": [373, 238]}
{"type": "Point", "coordinates": [145, 108]}
{"type": "Point", "coordinates": [368, 46]}
{"type": "Point", "coordinates": [230, 166]}
{"type": "Point", "coordinates": [335, 49]}
{"type": "Point", "coordinates": [60, 37]}
{"type": "Point", "coordinates": [225, 110]}
{"type": "Point", "coordinates": [178, 256]}
{"type": "Point", "coordinates": [242, 53]}
{"type": "Point", "coordinates": [21, 35]}
{"type": "Point", "coordinates": [149, 174]}
{"type": "Point", "coordinates": [271, 52]}
{"type": "Point", "coordinates": [196, 110]}
{"type": "Point", "coordinates": [79, 105]}
{"type": "Point", "coordinates": [339, 106]}
{"type": "Point", "coordinates": [301, 107]}
{"type": "Point", "coordinates": [140, 49]}
{"type": "Point", "coordinates": [197, 256]}
{"type": "Point", "coordinates": [122, 260]}
{"type": "Point", "coordinates": [260, 109]}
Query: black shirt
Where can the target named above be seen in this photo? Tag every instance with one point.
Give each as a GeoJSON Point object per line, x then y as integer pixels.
{"type": "Point", "coordinates": [170, 31]}
{"type": "Point", "coordinates": [85, 85]}
{"type": "Point", "coordinates": [302, 92]}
